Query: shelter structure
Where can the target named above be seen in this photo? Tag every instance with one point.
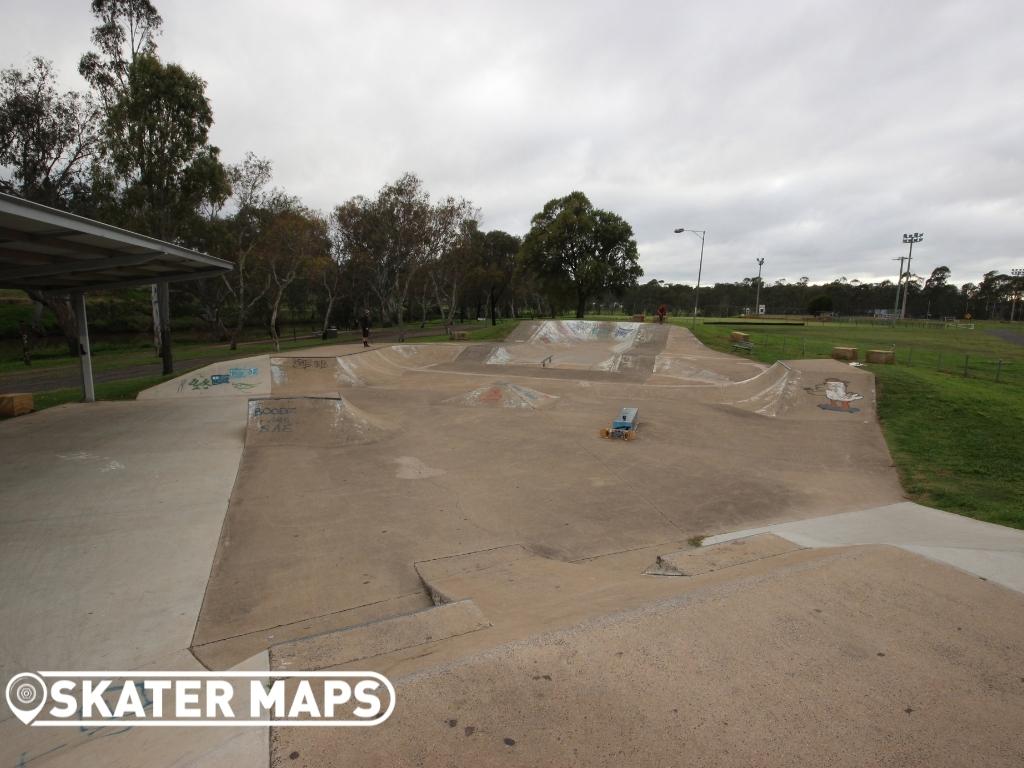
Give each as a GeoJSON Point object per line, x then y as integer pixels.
{"type": "Point", "coordinates": [44, 249]}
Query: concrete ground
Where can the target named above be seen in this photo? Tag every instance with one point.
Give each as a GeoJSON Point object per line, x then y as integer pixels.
{"type": "Point", "coordinates": [109, 518]}
{"type": "Point", "coordinates": [448, 515]}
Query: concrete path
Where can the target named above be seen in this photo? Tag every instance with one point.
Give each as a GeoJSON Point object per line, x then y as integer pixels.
{"type": "Point", "coordinates": [993, 552]}
{"type": "Point", "coordinates": [109, 518]}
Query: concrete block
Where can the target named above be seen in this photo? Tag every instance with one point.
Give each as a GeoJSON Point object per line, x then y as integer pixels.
{"type": "Point", "coordinates": [460, 335]}
{"type": "Point", "coordinates": [844, 353]}
{"type": "Point", "coordinates": [638, 318]}
{"type": "Point", "coordinates": [16, 404]}
{"type": "Point", "coordinates": [884, 356]}
{"type": "Point", "coordinates": [739, 336]}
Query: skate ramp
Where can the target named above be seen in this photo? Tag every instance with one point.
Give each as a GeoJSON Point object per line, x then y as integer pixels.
{"type": "Point", "coordinates": [685, 360]}
{"type": "Point", "coordinates": [236, 378]}
{"type": "Point", "coordinates": [865, 656]}
{"type": "Point", "coordinates": [309, 421]}
{"type": "Point", "coordinates": [825, 390]}
{"type": "Point", "coordinates": [385, 366]}
{"type": "Point", "coordinates": [581, 345]}
{"type": "Point", "coordinates": [502, 394]}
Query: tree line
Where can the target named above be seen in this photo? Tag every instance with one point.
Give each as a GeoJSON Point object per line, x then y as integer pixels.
{"type": "Point", "coordinates": [134, 151]}
{"type": "Point", "coordinates": [996, 297]}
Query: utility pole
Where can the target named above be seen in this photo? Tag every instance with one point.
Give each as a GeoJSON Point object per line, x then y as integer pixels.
{"type": "Point", "coordinates": [917, 237]}
{"type": "Point", "coordinates": [757, 301]}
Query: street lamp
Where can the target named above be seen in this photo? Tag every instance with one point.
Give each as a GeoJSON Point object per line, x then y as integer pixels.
{"type": "Point", "coordinates": [701, 233]}
{"type": "Point", "coordinates": [917, 237]}
{"type": "Point", "coordinates": [757, 301]}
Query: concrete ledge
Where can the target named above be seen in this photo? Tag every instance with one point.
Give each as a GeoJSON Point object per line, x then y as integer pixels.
{"type": "Point", "coordinates": [884, 356]}
{"type": "Point", "coordinates": [844, 353]}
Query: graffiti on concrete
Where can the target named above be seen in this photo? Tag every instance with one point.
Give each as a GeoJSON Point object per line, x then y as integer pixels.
{"type": "Point", "coordinates": [235, 377]}
{"type": "Point", "coordinates": [837, 394]}
{"type": "Point", "coordinates": [269, 418]}
{"type": "Point", "coordinates": [311, 362]}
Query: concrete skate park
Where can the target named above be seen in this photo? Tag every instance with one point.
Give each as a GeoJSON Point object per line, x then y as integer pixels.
{"type": "Point", "coordinates": [742, 584]}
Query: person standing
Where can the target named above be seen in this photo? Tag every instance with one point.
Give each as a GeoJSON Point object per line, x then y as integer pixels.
{"type": "Point", "coordinates": [364, 326]}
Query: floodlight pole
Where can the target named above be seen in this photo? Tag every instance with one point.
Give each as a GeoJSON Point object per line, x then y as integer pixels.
{"type": "Point", "coordinates": [757, 300]}
{"type": "Point", "coordinates": [899, 284]}
{"type": "Point", "coordinates": [917, 237]}
{"type": "Point", "coordinates": [1018, 274]}
{"type": "Point", "coordinates": [701, 233]}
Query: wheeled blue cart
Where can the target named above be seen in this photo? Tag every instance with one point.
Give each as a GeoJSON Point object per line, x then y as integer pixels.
{"type": "Point", "coordinates": [625, 426]}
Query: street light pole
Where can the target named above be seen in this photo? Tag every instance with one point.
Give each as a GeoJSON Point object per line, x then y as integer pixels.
{"type": "Point", "coordinates": [757, 300]}
{"type": "Point", "coordinates": [701, 233]}
{"type": "Point", "coordinates": [917, 237]}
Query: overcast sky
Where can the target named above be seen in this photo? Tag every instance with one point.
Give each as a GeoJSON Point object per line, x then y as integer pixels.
{"type": "Point", "coordinates": [813, 134]}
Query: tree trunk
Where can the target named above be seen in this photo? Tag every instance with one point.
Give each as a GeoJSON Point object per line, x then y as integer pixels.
{"type": "Point", "coordinates": [155, 307]}
{"type": "Point", "coordinates": [273, 321]}
{"type": "Point", "coordinates": [327, 314]}
{"type": "Point", "coordinates": [581, 305]}
{"type": "Point", "coordinates": [494, 320]}
{"type": "Point", "coordinates": [64, 315]}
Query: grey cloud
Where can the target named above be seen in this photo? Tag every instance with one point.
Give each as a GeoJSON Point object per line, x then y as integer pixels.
{"type": "Point", "coordinates": [810, 133]}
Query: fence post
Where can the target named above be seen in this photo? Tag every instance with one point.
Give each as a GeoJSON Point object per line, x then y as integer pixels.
{"type": "Point", "coordinates": [999, 369]}
{"type": "Point", "coordinates": [966, 361]}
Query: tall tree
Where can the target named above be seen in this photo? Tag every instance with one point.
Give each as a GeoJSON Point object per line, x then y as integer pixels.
{"type": "Point", "coordinates": [47, 140]}
{"type": "Point", "coordinates": [293, 242]}
{"type": "Point", "coordinates": [575, 247]}
{"type": "Point", "coordinates": [499, 266]}
{"type": "Point", "coordinates": [156, 139]}
{"type": "Point", "coordinates": [126, 30]}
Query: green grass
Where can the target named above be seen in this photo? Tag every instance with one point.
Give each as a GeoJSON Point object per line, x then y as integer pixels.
{"type": "Point", "coordinates": [956, 442]}
{"type": "Point", "coordinates": [127, 389]}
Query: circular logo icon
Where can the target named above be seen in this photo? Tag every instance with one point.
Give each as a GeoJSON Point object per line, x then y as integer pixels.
{"type": "Point", "coordinates": [26, 695]}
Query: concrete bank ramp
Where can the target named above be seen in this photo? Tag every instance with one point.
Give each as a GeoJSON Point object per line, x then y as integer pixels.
{"type": "Point", "coordinates": [694, 561]}
{"type": "Point", "coordinates": [309, 422]}
{"type": "Point", "coordinates": [235, 378]}
{"type": "Point", "coordinates": [801, 389]}
{"type": "Point", "coordinates": [581, 345]}
{"type": "Point", "coordinates": [373, 367]}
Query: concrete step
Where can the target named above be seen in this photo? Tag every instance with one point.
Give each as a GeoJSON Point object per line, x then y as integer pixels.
{"type": "Point", "coordinates": [333, 649]}
{"type": "Point", "coordinates": [222, 653]}
{"type": "Point", "coordinates": [694, 561]}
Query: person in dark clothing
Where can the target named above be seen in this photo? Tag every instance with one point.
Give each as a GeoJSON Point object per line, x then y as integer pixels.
{"type": "Point", "coordinates": [364, 325]}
